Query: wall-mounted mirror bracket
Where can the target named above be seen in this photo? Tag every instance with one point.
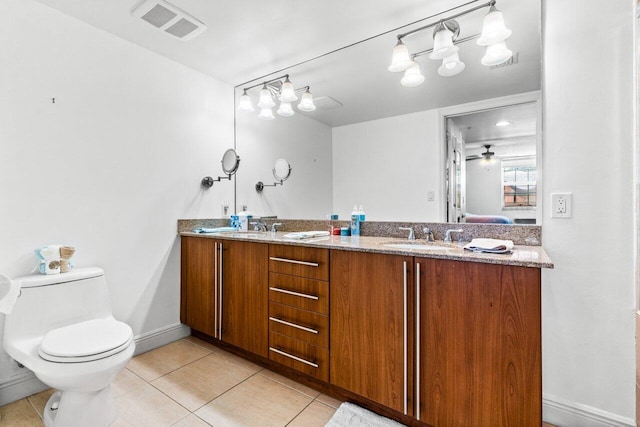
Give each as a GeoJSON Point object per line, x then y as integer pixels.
{"type": "Point", "coordinates": [230, 162]}
{"type": "Point", "coordinates": [281, 172]}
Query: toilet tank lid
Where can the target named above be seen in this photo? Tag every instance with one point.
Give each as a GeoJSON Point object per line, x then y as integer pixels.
{"type": "Point", "coordinates": [36, 280]}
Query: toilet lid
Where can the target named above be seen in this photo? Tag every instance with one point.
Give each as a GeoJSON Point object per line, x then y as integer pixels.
{"type": "Point", "coordinates": [85, 341]}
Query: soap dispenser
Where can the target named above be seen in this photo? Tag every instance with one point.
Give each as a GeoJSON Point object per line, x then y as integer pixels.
{"type": "Point", "coordinates": [355, 221]}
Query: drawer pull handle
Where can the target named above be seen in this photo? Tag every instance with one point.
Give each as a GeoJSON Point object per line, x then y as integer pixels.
{"type": "Point", "coordinates": [291, 356]}
{"type": "Point", "coordinates": [293, 261]}
{"type": "Point", "coordinates": [293, 325]}
{"type": "Point", "coordinates": [297, 294]}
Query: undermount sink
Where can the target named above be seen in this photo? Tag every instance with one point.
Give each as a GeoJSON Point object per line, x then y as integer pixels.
{"type": "Point", "coordinates": [419, 246]}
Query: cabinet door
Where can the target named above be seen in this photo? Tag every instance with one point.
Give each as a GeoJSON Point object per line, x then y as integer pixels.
{"type": "Point", "coordinates": [245, 295]}
{"type": "Point", "coordinates": [369, 332]}
{"type": "Point", "coordinates": [480, 344]}
{"type": "Point", "coordinates": [198, 306]}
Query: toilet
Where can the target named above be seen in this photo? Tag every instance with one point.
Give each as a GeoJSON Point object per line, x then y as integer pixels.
{"type": "Point", "coordinates": [62, 329]}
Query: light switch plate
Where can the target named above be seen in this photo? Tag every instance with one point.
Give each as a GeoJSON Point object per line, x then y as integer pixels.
{"type": "Point", "coordinates": [561, 205]}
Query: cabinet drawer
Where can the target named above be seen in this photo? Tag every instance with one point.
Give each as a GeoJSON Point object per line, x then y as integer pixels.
{"type": "Point", "coordinates": [301, 324]}
{"type": "Point", "coordinates": [300, 292]}
{"type": "Point", "coordinates": [299, 261]}
{"type": "Point", "coordinates": [299, 355]}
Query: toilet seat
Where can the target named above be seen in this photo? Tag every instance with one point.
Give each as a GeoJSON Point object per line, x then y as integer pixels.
{"type": "Point", "coordinates": [85, 341]}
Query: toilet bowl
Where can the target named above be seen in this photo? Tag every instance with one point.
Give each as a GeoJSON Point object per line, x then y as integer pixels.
{"type": "Point", "coordinates": [62, 329]}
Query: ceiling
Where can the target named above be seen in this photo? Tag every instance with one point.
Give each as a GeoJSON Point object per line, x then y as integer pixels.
{"type": "Point", "coordinates": [249, 39]}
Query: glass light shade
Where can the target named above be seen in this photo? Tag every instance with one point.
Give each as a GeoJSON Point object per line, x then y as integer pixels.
{"type": "Point", "coordinates": [400, 59]}
{"type": "Point", "coordinates": [287, 93]}
{"type": "Point", "coordinates": [493, 28]}
{"type": "Point", "coordinates": [496, 54]}
{"type": "Point", "coordinates": [443, 44]}
{"type": "Point", "coordinates": [245, 102]}
{"type": "Point", "coordinates": [266, 114]}
{"type": "Point", "coordinates": [306, 103]}
{"type": "Point", "coordinates": [412, 76]}
{"type": "Point", "coordinates": [285, 109]}
{"type": "Point", "coordinates": [451, 66]}
{"type": "Point", "coordinates": [265, 101]}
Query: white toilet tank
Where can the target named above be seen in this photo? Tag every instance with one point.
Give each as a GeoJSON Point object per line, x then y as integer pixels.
{"type": "Point", "coordinates": [47, 302]}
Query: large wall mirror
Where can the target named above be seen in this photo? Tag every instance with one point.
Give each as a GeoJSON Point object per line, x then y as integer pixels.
{"type": "Point", "coordinates": [404, 153]}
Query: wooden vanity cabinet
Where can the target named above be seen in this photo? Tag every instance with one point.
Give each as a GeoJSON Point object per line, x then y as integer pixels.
{"type": "Point", "coordinates": [224, 291]}
{"type": "Point", "coordinates": [370, 328]}
{"type": "Point", "coordinates": [479, 342]}
{"type": "Point", "coordinates": [299, 308]}
{"type": "Point", "coordinates": [469, 353]}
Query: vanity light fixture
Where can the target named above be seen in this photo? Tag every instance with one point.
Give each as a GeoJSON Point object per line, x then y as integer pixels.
{"type": "Point", "coordinates": [445, 40]}
{"type": "Point", "coordinates": [284, 91]}
{"type": "Point", "coordinates": [412, 76]}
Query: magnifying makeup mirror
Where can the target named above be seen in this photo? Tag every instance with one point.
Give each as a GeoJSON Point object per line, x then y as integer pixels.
{"type": "Point", "coordinates": [230, 162]}
{"type": "Point", "coordinates": [281, 172]}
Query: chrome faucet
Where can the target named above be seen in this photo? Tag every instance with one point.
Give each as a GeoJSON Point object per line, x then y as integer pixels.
{"type": "Point", "coordinates": [412, 234]}
{"type": "Point", "coordinates": [447, 236]}
{"type": "Point", "coordinates": [259, 225]}
{"type": "Point", "coordinates": [428, 234]}
{"type": "Point", "coordinates": [274, 226]}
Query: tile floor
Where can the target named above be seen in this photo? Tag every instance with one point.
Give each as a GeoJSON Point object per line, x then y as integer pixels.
{"type": "Point", "coordinates": [190, 383]}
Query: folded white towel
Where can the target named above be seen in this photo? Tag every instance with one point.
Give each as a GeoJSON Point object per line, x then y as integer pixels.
{"type": "Point", "coordinates": [305, 235]}
{"type": "Point", "coordinates": [495, 246]}
{"type": "Point", "coordinates": [9, 292]}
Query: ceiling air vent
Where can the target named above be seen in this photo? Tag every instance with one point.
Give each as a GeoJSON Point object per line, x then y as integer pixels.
{"type": "Point", "coordinates": [511, 61]}
{"type": "Point", "coordinates": [169, 19]}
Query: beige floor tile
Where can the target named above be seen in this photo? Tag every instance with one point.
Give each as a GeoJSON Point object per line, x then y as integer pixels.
{"type": "Point", "coordinates": [202, 343]}
{"type": "Point", "coordinates": [258, 401]}
{"type": "Point", "coordinates": [191, 421]}
{"type": "Point", "coordinates": [147, 407]}
{"type": "Point", "coordinates": [161, 361]}
{"type": "Point", "coordinates": [290, 383]}
{"type": "Point", "coordinates": [39, 400]}
{"type": "Point", "coordinates": [328, 400]}
{"type": "Point", "coordinates": [125, 382]}
{"type": "Point", "coordinates": [201, 381]}
{"type": "Point", "coordinates": [315, 415]}
{"type": "Point", "coordinates": [19, 414]}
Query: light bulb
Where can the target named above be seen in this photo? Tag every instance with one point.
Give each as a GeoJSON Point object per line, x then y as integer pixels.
{"type": "Point", "coordinates": [443, 43]}
{"type": "Point", "coordinates": [266, 101]}
{"type": "Point", "coordinates": [412, 76]}
{"type": "Point", "coordinates": [245, 102]}
{"type": "Point", "coordinates": [451, 66]}
{"type": "Point", "coordinates": [287, 93]}
{"type": "Point", "coordinates": [285, 109]}
{"type": "Point", "coordinates": [400, 59]}
{"type": "Point", "coordinates": [493, 28]}
{"type": "Point", "coordinates": [266, 114]}
{"type": "Point", "coordinates": [496, 54]}
{"type": "Point", "coordinates": [306, 103]}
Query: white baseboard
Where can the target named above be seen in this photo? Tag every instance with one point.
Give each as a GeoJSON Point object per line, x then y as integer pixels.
{"type": "Point", "coordinates": [26, 384]}
{"type": "Point", "coordinates": [161, 336]}
{"type": "Point", "coordinates": [564, 413]}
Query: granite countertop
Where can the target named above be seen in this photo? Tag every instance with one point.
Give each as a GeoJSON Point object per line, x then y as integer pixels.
{"type": "Point", "coordinates": [525, 256]}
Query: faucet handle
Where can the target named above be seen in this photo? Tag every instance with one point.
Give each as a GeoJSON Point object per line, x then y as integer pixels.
{"type": "Point", "coordinates": [412, 235]}
{"type": "Point", "coordinates": [274, 226]}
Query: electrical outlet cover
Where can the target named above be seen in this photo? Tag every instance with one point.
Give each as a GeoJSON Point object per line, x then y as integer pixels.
{"type": "Point", "coordinates": [561, 204]}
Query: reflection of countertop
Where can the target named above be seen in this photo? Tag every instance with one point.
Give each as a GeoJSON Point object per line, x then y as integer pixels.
{"type": "Point", "coordinates": [526, 256]}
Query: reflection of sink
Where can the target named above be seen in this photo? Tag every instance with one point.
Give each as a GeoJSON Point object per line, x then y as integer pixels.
{"type": "Point", "coordinates": [419, 246]}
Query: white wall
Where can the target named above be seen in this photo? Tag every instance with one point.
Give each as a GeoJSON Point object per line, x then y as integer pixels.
{"type": "Point", "coordinates": [112, 164]}
{"type": "Point", "coordinates": [389, 166]}
{"type": "Point", "coordinates": [588, 299]}
{"type": "Point", "coordinates": [306, 144]}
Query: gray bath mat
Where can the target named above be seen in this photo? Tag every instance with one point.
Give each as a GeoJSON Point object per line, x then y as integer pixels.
{"type": "Point", "coordinates": [350, 415]}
